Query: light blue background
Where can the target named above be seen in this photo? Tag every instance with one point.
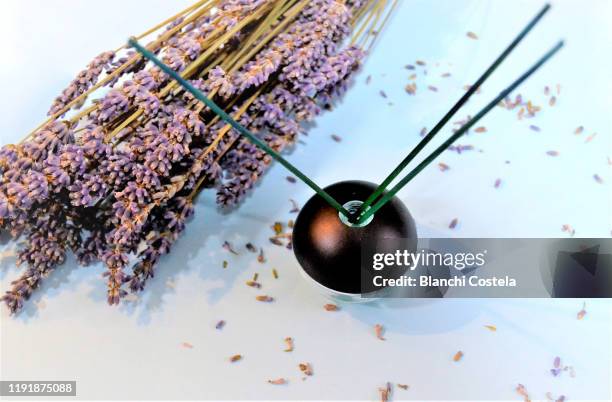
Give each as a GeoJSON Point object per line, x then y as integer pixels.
{"type": "Point", "coordinates": [67, 331]}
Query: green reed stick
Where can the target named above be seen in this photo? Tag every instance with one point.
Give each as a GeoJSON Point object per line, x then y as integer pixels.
{"type": "Point", "coordinates": [238, 127]}
{"type": "Point", "coordinates": [391, 193]}
{"type": "Point", "coordinates": [383, 186]}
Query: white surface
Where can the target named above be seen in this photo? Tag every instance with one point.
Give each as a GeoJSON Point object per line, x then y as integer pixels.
{"type": "Point", "coordinates": [134, 351]}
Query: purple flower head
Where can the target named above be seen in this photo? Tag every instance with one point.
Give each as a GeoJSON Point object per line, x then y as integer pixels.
{"type": "Point", "coordinates": [37, 186]}
{"type": "Point", "coordinates": [87, 191]}
{"type": "Point", "coordinates": [244, 165]}
{"type": "Point", "coordinates": [18, 195]}
{"type": "Point", "coordinates": [134, 193]}
{"type": "Point", "coordinates": [117, 168]}
{"type": "Point", "coordinates": [92, 249]}
{"type": "Point", "coordinates": [190, 120]}
{"type": "Point", "coordinates": [199, 84]}
{"type": "Point", "coordinates": [93, 143]}
{"type": "Point", "coordinates": [72, 160]}
{"type": "Point", "coordinates": [8, 156]}
{"type": "Point", "coordinates": [175, 59]}
{"type": "Point", "coordinates": [84, 80]}
{"type": "Point", "coordinates": [178, 214]}
{"type": "Point", "coordinates": [57, 177]}
{"type": "Point", "coordinates": [257, 72]}
{"type": "Point", "coordinates": [114, 103]}
{"type": "Point", "coordinates": [145, 177]}
{"type": "Point", "coordinates": [208, 170]}
{"type": "Point", "coordinates": [219, 81]}
{"type": "Point", "coordinates": [145, 79]}
{"type": "Point", "coordinates": [147, 101]}
{"type": "Point", "coordinates": [48, 140]}
{"type": "Point", "coordinates": [179, 139]}
{"type": "Point", "coordinates": [159, 76]}
{"type": "Point", "coordinates": [178, 21]}
{"type": "Point", "coordinates": [189, 46]}
{"type": "Point", "coordinates": [307, 110]}
{"type": "Point", "coordinates": [158, 159]}
{"type": "Point", "coordinates": [134, 67]}
{"type": "Point", "coordinates": [115, 259]}
{"type": "Point", "coordinates": [125, 210]}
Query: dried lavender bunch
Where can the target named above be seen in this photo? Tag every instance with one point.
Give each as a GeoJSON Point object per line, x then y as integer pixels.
{"type": "Point", "coordinates": [116, 182]}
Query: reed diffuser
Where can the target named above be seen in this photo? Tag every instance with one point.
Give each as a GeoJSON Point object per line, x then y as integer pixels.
{"type": "Point", "coordinates": [113, 173]}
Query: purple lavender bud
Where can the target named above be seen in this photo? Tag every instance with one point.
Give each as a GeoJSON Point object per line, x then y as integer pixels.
{"type": "Point", "coordinates": [8, 156]}
{"type": "Point", "coordinates": [13, 300]}
{"type": "Point", "coordinates": [56, 176]}
{"type": "Point", "coordinates": [185, 207]}
{"type": "Point", "coordinates": [134, 193]}
{"type": "Point", "coordinates": [91, 249]}
{"type": "Point", "coordinates": [157, 159]}
{"type": "Point", "coordinates": [93, 142]}
{"type": "Point", "coordinates": [199, 84]}
{"type": "Point", "coordinates": [244, 166]}
{"type": "Point", "coordinates": [190, 47]}
{"type": "Point", "coordinates": [17, 195]}
{"type": "Point", "coordinates": [178, 21]}
{"type": "Point", "coordinates": [115, 258]}
{"type": "Point", "coordinates": [84, 80]}
{"type": "Point", "coordinates": [174, 59]}
{"type": "Point", "coordinates": [48, 140]}
{"type": "Point", "coordinates": [147, 101]}
{"type": "Point", "coordinates": [145, 80]}
{"type": "Point", "coordinates": [37, 186]}
{"type": "Point", "coordinates": [122, 235]}
{"type": "Point", "coordinates": [126, 211]}
{"type": "Point", "coordinates": [72, 160]}
{"type": "Point", "coordinates": [135, 67]}
{"type": "Point", "coordinates": [218, 80]}
{"type": "Point", "coordinates": [117, 168]}
{"type": "Point", "coordinates": [88, 191]}
{"type": "Point", "coordinates": [113, 104]}
{"type": "Point", "coordinates": [145, 177]}
{"type": "Point", "coordinates": [208, 170]}
{"type": "Point", "coordinates": [173, 220]}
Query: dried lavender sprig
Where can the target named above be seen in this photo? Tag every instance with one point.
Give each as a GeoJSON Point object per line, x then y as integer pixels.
{"type": "Point", "coordinates": [84, 80]}
{"type": "Point", "coordinates": [123, 65]}
{"type": "Point", "coordinates": [237, 126]}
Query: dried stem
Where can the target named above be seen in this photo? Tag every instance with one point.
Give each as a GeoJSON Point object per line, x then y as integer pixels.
{"type": "Point", "coordinates": [116, 73]}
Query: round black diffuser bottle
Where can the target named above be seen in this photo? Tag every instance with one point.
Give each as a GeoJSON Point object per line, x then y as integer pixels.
{"type": "Point", "coordinates": [336, 253]}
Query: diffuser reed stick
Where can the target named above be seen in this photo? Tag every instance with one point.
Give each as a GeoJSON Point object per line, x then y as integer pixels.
{"type": "Point", "coordinates": [240, 128]}
{"type": "Point", "coordinates": [402, 165]}
{"type": "Point", "coordinates": [391, 193]}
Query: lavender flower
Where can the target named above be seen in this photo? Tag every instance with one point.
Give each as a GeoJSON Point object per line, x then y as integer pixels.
{"type": "Point", "coordinates": [219, 81]}
{"type": "Point", "coordinates": [45, 249]}
{"type": "Point", "coordinates": [48, 140]}
{"type": "Point", "coordinates": [93, 142]}
{"type": "Point", "coordinates": [84, 80]}
{"type": "Point", "coordinates": [112, 105]}
{"type": "Point", "coordinates": [116, 260]}
{"type": "Point", "coordinates": [88, 191]}
{"type": "Point", "coordinates": [244, 165]}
